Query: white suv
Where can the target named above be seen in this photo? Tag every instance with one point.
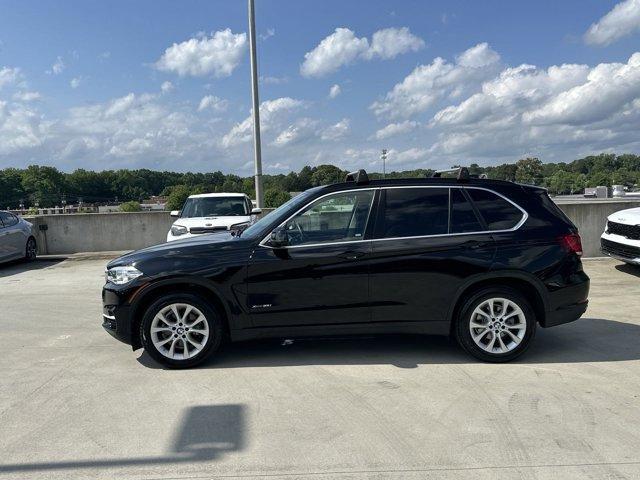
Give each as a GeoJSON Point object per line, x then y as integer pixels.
{"type": "Point", "coordinates": [621, 237]}
{"type": "Point", "coordinates": [211, 212]}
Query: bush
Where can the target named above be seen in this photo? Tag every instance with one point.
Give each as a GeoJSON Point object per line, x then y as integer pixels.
{"type": "Point", "coordinates": [130, 207]}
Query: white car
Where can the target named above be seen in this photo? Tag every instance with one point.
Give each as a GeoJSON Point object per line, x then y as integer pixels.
{"type": "Point", "coordinates": [210, 213]}
{"type": "Point", "coordinates": [621, 237]}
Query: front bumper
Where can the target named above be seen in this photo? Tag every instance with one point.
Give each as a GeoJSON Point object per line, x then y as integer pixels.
{"type": "Point", "coordinates": [620, 248]}
{"type": "Point", "coordinates": [115, 316]}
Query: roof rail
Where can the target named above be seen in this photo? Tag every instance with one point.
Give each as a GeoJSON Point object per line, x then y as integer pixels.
{"type": "Point", "coordinates": [360, 177]}
{"type": "Point", "coordinates": [462, 173]}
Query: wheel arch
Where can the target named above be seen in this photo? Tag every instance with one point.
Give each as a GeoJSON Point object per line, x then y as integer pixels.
{"type": "Point", "coordinates": [526, 284]}
{"type": "Point", "coordinates": [144, 297]}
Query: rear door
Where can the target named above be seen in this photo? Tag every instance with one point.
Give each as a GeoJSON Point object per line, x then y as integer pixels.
{"type": "Point", "coordinates": [427, 241]}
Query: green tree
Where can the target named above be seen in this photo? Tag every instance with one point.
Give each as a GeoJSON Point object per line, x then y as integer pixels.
{"type": "Point", "coordinates": [131, 206]}
{"type": "Point", "coordinates": [274, 198]}
{"type": "Point", "coordinates": [44, 185]}
{"type": "Point", "coordinates": [178, 196]}
{"type": "Point", "coordinates": [326, 175]}
{"type": "Point", "coordinates": [529, 171]}
{"type": "Point", "coordinates": [561, 182]}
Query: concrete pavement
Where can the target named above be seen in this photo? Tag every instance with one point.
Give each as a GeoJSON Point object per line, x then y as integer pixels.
{"type": "Point", "coordinates": [75, 403]}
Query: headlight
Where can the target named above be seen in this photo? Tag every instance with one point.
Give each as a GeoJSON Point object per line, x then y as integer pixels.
{"type": "Point", "coordinates": [121, 275]}
{"type": "Point", "coordinates": [178, 230]}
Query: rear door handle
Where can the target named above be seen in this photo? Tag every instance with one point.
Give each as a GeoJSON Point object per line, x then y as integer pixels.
{"type": "Point", "coordinates": [352, 255]}
{"type": "Point", "coordinates": [474, 244]}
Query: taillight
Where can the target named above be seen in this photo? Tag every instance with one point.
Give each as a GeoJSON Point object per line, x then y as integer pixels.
{"type": "Point", "coordinates": [572, 242]}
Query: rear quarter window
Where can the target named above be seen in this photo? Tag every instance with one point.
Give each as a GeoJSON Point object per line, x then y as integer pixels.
{"type": "Point", "coordinates": [498, 213]}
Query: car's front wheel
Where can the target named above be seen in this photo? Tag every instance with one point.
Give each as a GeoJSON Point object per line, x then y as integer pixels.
{"type": "Point", "coordinates": [180, 330]}
{"type": "Point", "coordinates": [496, 324]}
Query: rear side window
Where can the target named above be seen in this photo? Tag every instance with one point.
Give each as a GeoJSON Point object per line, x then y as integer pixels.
{"type": "Point", "coordinates": [463, 218]}
{"type": "Point", "coordinates": [412, 212]}
{"type": "Point", "coordinates": [498, 213]}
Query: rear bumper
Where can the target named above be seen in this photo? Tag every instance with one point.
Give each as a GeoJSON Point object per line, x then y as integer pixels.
{"type": "Point", "coordinates": [567, 304]}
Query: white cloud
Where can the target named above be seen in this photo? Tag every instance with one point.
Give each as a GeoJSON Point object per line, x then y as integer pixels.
{"type": "Point", "coordinates": [334, 91]}
{"type": "Point", "coordinates": [214, 103]}
{"type": "Point", "coordinates": [270, 111]}
{"type": "Point", "coordinates": [427, 84]}
{"type": "Point", "coordinates": [269, 33]}
{"type": "Point", "coordinates": [391, 42]}
{"type": "Point", "coordinates": [336, 131]}
{"type": "Point", "coordinates": [21, 128]}
{"type": "Point", "coordinates": [75, 82]}
{"type": "Point", "coordinates": [302, 129]}
{"type": "Point", "coordinates": [394, 129]}
{"type": "Point", "coordinates": [104, 55]}
{"type": "Point", "coordinates": [57, 68]}
{"type": "Point", "coordinates": [218, 55]}
{"type": "Point", "coordinates": [621, 21]}
{"type": "Point", "coordinates": [27, 96]}
{"type": "Point", "coordinates": [9, 76]}
{"type": "Point", "coordinates": [548, 112]}
{"type": "Point", "coordinates": [270, 80]}
{"type": "Point", "coordinates": [167, 87]}
{"type": "Point", "coordinates": [342, 48]}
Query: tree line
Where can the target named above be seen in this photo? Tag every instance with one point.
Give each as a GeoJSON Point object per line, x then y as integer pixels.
{"type": "Point", "coordinates": [46, 186]}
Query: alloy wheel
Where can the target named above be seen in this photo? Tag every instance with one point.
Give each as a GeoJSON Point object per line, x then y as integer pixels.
{"type": "Point", "coordinates": [498, 325]}
{"type": "Point", "coordinates": [179, 331]}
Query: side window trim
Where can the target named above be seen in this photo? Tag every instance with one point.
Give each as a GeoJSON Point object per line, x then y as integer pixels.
{"type": "Point", "coordinates": [524, 218]}
{"type": "Point", "coordinates": [483, 223]}
{"type": "Point", "coordinates": [372, 206]}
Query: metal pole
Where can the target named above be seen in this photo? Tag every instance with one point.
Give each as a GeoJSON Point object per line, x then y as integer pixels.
{"type": "Point", "coordinates": [384, 162]}
{"type": "Point", "coordinates": [256, 105]}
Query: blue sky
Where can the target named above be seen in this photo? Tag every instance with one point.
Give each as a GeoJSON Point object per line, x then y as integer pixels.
{"type": "Point", "coordinates": [165, 85]}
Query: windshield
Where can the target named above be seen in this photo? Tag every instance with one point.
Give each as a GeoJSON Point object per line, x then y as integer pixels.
{"type": "Point", "coordinates": [280, 213]}
{"type": "Point", "coordinates": [215, 207]}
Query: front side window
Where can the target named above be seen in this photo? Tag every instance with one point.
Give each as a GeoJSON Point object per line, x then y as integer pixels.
{"type": "Point", "coordinates": [336, 218]}
{"type": "Point", "coordinates": [215, 207]}
{"type": "Point", "coordinates": [7, 219]}
{"type": "Point", "coordinates": [498, 213]}
{"type": "Point", "coordinates": [414, 212]}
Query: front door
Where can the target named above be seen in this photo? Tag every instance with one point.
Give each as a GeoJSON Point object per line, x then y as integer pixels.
{"type": "Point", "coordinates": [11, 237]}
{"type": "Point", "coordinates": [322, 276]}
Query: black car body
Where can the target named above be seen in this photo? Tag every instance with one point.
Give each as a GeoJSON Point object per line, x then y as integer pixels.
{"type": "Point", "coordinates": [413, 251]}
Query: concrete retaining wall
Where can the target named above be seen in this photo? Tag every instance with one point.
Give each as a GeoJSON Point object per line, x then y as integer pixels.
{"type": "Point", "coordinates": [96, 232]}
{"type": "Point", "coordinates": [590, 218]}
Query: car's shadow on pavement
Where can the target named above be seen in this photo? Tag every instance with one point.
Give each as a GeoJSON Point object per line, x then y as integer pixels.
{"type": "Point", "coordinates": [16, 267]}
{"type": "Point", "coordinates": [586, 340]}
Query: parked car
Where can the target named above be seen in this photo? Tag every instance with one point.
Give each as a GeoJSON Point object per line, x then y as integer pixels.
{"type": "Point", "coordinates": [212, 212]}
{"type": "Point", "coordinates": [17, 239]}
{"type": "Point", "coordinates": [621, 236]}
{"type": "Point", "coordinates": [485, 261]}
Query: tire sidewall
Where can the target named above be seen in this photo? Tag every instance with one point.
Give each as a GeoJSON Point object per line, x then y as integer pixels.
{"type": "Point", "coordinates": [27, 257]}
{"type": "Point", "coordinates": [212, 318]}
{"type": "Point", "coordinates": [463, 333]}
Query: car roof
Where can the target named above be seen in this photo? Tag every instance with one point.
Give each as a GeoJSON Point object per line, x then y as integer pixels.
{"type": "Point", "coordinates": [206, 195]}
{"type": "Point", "coordinates": [427, 181]}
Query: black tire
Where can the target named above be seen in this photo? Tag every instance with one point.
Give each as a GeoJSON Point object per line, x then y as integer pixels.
{"type": "Point", "coordinates": [30, 250]}
{"type": "Point", "coordinates": [463, 330]}
{"type": "Point", "coordinates": [211, 317]}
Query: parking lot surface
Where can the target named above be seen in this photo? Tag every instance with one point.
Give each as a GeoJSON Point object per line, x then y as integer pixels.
{"type": "Point", "coordinates": [75, 403]}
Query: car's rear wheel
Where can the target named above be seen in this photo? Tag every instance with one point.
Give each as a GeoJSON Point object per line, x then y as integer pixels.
{"type": "Point", "coordinates": [31, 250]}
{"type": "Point", "coordinates": [496, 324]}
{"type": "Point", "coordinates": [181, 330]}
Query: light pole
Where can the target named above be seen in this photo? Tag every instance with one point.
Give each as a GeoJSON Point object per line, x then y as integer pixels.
{"type": "Point", "coordinates": [383, 157]}
{"type": "Point", "coordinates": [256, 105]}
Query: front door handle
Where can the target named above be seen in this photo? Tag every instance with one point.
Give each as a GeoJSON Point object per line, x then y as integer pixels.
{"type": "Point", "coordinates": [352, 255]}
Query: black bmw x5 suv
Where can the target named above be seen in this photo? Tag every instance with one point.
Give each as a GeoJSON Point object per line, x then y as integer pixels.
{"type": "Point", "coordinates": [485, 261]}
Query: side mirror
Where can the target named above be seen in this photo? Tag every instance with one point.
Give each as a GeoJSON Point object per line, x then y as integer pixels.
{"type": "Point", "coordinates": [256, 211]}
{"type": "Point", "coordinates": [279, 238]}
{"type": "Point", "coordinates": [175, 213]}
